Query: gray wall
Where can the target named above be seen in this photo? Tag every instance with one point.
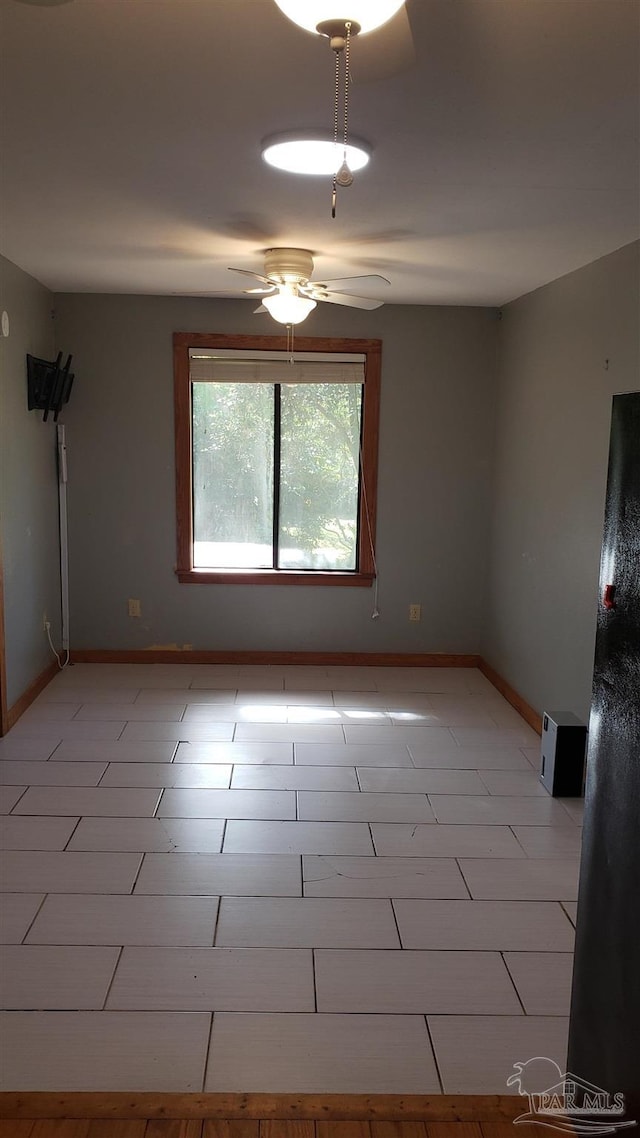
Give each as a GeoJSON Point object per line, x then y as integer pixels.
{"type": "Point", "coordinates": [443, 423]}
{"type": "Point", "coordinates": [28, 486]}
{"type": "Point", "coordinates": [552, 439]}
{"type": "Point", "coordinates": [435, 448]}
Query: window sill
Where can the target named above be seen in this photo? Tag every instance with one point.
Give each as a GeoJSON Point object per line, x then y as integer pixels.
{"type": "Point", "coordinates": [271, 577]}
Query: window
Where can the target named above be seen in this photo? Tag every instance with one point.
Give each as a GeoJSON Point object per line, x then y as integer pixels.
{"type": "Point", "coordinates": [276, 463]}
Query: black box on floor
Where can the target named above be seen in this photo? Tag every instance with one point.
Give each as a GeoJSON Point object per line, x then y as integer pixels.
{"type": "Point", "coordinates": [562, 752]}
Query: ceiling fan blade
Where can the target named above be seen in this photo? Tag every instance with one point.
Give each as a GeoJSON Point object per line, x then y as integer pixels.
{"type": "Point", "coordinates": [260, 308]}
{"type": "Point", "coordinates": [260, 291]}
{"type": "Point", "coordinates": [386, 52]}
{"type": "Point", "coordinates": [248, 273]}
{"type": "Point", "coordinates": [350, 301]}
{"type": "Point", "coordinates": [372, 281]}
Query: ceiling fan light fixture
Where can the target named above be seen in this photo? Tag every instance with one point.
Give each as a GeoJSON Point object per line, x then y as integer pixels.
{"type": "Point", "coordinates": [308, 155]}
{"type": "Point", "coordinates": [287, 307]}
{"type": "Point", "coordinates": [368, 14]}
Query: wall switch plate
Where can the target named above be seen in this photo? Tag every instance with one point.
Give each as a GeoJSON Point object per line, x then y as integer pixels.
{"type": "Point", "coordinates": [134, 607]}
{"type": "Point", "coordinates": [415, 612]}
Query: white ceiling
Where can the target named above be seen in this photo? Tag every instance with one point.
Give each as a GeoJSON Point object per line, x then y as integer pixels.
{"type": "Point", "coordinates": [505, 156]}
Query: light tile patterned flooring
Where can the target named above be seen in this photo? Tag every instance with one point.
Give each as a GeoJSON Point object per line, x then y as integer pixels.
{"type": "Point", "coordinates": [280, 879]}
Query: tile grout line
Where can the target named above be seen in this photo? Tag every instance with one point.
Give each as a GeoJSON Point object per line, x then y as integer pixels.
{"type": "Point", "coordinates": [464, 880]}
{"type": "Point", "coordinates": [569, 918]}
{"type": "Point", "coordinates": [17, 802]}
{"type": "Point", "coordinates": [395, 921]}
{"type": "Point", "coordinates": [479, 774]}
{"type": "Point", "coordinates": [65, 848]}
{"type": "Point", "coordinates": [315, 982]}
{"type": "Point", "coordinates": [157, 806]}
{"type": "Point", "coordinates": [76, 713]}
{"type": "Point", "coordinates": [459, 860]}
{"type": "Point", "coordinates": [515, 987]}
{"type": "Point", "coordinates": [527, 856]}
{"type": "Point", "coordinates": [103, 775]}
{"type": "Point", "coordinates": [143, 854]}
{"type": "Point", "coordinates": [110, 985]}
{"type": "Point", "coordinates": [433, 1050]}
{"type": "Point", "coordinates": [35, 917]}
{"type": "Point", "coordinates": [207, 1052]}
{"type": "Point", "coordinates": [216, 921]}
{"type": "Point", "coordinates": [223, 836]}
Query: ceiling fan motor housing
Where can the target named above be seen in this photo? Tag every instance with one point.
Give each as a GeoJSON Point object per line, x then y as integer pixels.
{"type": "Point", "coordinates": [293, 266]}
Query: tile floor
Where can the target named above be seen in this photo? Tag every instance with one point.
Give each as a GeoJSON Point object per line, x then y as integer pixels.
{"type": "Point", "coordinates": [285, 879]}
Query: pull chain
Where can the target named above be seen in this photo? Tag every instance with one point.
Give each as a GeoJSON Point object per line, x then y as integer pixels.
{"type": "Point", "coordinates": [336, 111]}
{"type": "Point", "coordinates": [347, 82]}
{"type": "Point", "coordinates": [343, 177]}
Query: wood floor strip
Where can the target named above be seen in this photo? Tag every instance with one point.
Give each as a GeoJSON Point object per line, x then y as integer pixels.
{"type": "Point", "coordinates": [401, 1130]}
{"type": "Point", "coordinates": [278, 1128]}
{"type": "Point", "coordinates": [504, 1130]}
{"type": "Point", "coordinates": [106, 1128]}
{"type": "Point", "coordinates": [458, 1130]}
{"type": "Point", "coordinates": [174, 1128]}
{"type": "Point", "coordinates": [61, 1128]}
{"type": "Point", "coordinates": [12, 1128]}
{"type": "Point", "coordinates": [231, 1128]}
{"type": "Point", "coordinates": [343, 1130]}
{"type": "Point", "coordinates": [338, 1108]}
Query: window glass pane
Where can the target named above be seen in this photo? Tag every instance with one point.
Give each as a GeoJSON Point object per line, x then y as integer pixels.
{"type": "Point", "coordinates": [232, 475]}
{"type": "Point", "coordinates": [320, 447]}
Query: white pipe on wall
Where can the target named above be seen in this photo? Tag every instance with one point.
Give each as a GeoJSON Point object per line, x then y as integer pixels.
{"type": "Point", "coordinates": [64, 540]}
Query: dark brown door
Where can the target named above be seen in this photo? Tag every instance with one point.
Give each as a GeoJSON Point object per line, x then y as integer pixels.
{"type": "Point", "coordinates": [604, 1037]}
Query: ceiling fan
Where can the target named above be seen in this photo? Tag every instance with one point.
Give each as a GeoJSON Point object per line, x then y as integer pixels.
{"type": "Point", "coordinates": [289, 294]}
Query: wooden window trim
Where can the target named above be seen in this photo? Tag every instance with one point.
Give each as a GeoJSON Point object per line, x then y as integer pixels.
{"type": "Point", "coordinates": [185, 571]}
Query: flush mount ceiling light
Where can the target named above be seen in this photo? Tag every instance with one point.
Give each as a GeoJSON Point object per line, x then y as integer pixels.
{"type": "Point", "coordinates": [364, 15]}
{"type": "Point", "coordinates": [287, 306]}
{"type": "Point", "coordinates": [312, 153]}
{"type": "Point", "coordinates": [339, 21]}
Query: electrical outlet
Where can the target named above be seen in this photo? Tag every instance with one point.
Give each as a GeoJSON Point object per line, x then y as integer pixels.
{"type": "Point", "coordinates": [415, 612]}
{"type": "Point", "coordinates": [134, 607]}
{"type": "Point", "coordinates": [45, 622]}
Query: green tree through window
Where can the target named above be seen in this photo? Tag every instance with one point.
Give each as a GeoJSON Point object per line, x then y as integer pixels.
{"type": "Point", "coordinates": [276, 475]}
{"type": "Point", "coordinates": [276, 464]}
